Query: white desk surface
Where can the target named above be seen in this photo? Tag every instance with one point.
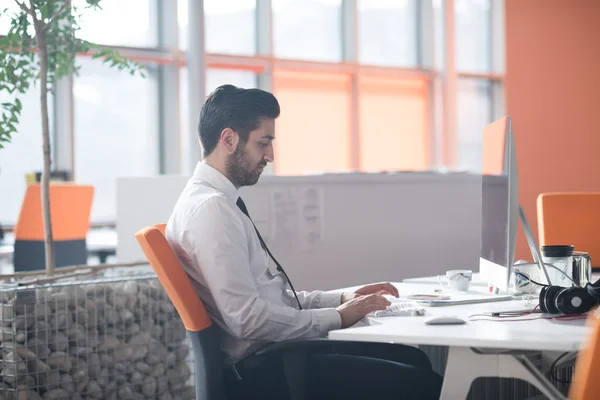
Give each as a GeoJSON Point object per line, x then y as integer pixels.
{"type": "Point", "coordinates": [476, 282]}
{"type": "Point", "coordinates": [540, 335]}
{"type": "Point", "coordinates": [95, 239]}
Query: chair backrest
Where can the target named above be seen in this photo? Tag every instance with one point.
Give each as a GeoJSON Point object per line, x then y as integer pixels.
{"type": "Point", "coordinates": [570, 218]}
{"type": "Point", "coordinates": [208, 358]}
{"type": "Point", "coordinates": [70, 207]}
{"type": "Point", "coordinates": [171, 275]}
{"type": "Point", "coordinates": [585, 384]}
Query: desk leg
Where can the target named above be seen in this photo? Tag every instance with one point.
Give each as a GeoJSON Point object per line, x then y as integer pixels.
{"type": "Point", "coordinates": [465, 365]}
{"type": "Point", "coordinates": [462, 368]}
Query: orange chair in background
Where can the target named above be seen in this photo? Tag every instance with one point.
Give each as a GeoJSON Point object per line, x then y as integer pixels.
{"type": "Point", "coordinates": [571, 218]}
{"type": "Point", "coordinates": [70, 207]}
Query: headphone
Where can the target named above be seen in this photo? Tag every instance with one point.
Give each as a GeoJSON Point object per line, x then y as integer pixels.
{"type": "Point", "coordinates": [573, 300]}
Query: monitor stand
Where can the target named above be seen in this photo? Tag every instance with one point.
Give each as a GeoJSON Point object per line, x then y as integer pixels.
{"type": "Point", "coordinates": [533, 247]}
{"type": "Point", "coordinates": [505, 282]}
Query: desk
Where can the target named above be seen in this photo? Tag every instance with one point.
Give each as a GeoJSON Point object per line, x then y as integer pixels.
{"type": "Point", "coordinates": [477, 348]}
{"type": "Point", "coordinates": [100, 243]}
{"type": "Point", "coordinates": [476, 282]}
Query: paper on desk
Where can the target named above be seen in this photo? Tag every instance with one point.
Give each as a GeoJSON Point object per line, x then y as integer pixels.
{"type": "Point", "coordinates": [284, 217]}
{"type": "Point", "coordinates": [311, 217]}
{"type": "Point", "coordinates": [297, 217]}
{"type": "Point", "coordinates": [466, 298]}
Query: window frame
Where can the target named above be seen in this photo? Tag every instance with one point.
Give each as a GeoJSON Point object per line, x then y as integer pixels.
{"type": "Point", "coordinates": [441, 80]}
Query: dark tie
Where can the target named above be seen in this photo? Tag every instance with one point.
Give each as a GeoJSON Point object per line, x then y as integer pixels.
{"type": "Point", "coordinates": [240, 203]}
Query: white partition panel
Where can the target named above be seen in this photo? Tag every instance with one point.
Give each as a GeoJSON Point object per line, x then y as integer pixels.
{"type": "Point", "coordinates": [332, 231]}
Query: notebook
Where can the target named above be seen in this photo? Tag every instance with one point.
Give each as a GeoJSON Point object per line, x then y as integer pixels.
{"type": "Point", "coordinates": [464, 298]}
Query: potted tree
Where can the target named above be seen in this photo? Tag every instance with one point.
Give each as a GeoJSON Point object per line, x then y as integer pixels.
{"type": "Point", "coordinates": [41, 46]}
{"type": "Point", "coordinates": [98, 338]}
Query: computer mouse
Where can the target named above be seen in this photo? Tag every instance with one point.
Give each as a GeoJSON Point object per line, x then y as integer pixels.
{"type": "Point", "coordinates": [444, 320]}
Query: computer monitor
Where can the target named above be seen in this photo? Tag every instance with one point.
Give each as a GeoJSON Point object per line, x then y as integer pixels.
{"type": "Point", "coordinates": [500, 209]}
{"type": "Point", "coordinates": [499, 204]}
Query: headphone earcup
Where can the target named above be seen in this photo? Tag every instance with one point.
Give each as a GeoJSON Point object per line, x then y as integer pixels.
{"type": "Point", "coordinates": [542, 299]}
{"type": "Point", "coordinates": [548, 296]}
{"type": "Point", "coordinates": [574, 301]}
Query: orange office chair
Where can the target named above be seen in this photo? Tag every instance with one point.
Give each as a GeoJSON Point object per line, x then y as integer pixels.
{"type": "Point", "coordinates": [208, 359]}
{"type": "Point", "coordinates": [585, 384]}
{"type": "Point", "coordinates": [70, 207]}
{"type": "Point", "coordinates": [570, 218]}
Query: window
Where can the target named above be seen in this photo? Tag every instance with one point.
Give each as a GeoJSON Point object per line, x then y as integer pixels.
{"type": "Point", "coordinates": [473, 24]}
{"type": "Point", "coordinates": [478, 89]}
{"type": "Point", "coordinates": [182, 23]}
{"type": "Point", "coordinates": [387, 32]}
{"type": "Point", "coordinates": [24, 154]}
{"type": "Point", "coordinates": [313, 131]}
{"type": "Point", "coordinates": [120, 23]}
{"type": "Point", "coordinates": [308, 29]}
{"type": "Point", "coordinates": [393, 124]}
{"type": "Point", "coordinates": [474, 111]}
{"type": "Point", "coordinates": [230, 26]}
{"type": "Point", "coordinates": [221, 16]}
{"type": "Point", "coordinates": [6, 17]}
{"type": "Point", "coordinates": [438, 34]}
{"type": "Point", "coordinates": [116, 130]}
{"type": "Point", "coordinates": [338, 113]}
{"type": "Point", "coordinates": [217, 77]}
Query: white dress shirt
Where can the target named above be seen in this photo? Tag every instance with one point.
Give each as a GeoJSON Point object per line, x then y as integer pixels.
{"type": "Point", "coordinates": [221, 253]}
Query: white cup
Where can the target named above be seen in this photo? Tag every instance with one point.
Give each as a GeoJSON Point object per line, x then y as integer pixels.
{"type": "Point", "coordinates": [457, 279]}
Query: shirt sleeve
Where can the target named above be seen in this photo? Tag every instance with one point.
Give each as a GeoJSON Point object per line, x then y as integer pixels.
{"type": "Point", "coordinates": [216, 234]}
{"type": "Point", "coordinates": [318, 299]}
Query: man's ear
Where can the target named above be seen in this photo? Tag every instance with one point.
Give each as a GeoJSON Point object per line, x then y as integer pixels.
{"type": "Point", "coordinates": [229, 139]}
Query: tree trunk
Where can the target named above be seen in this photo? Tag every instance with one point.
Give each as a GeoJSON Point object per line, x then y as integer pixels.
{"type": "Point", "coordinates": [48, 239]}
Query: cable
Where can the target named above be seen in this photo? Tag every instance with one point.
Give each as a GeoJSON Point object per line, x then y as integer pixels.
{"type": "Point", "coordinates": [564, 273]}
{"type": "Point", "coordinates": [552, 368]}
{"type": "Point", "coordinates": [509, 314]}
{"type": "Point", "coordinates": [529, 279]}
{"type": "Point", "coordinates": [547, 265]}
{"type": "Point", "coordinates": [516, 316]}
{"type": "Point", "coordinates": [511, 318]}
{"type": "Point", "coordinates": [507, 319]}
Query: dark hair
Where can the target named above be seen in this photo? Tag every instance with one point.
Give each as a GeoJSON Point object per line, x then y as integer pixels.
{"type": "Point", "coordinates": [231, 107]}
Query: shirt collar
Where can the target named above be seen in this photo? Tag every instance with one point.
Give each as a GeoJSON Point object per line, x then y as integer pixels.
{"type": "Point", "coordinates": [214, 178]}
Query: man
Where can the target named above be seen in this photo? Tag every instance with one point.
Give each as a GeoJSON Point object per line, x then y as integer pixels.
{"type": "Point", "coordinates": [213, 236]}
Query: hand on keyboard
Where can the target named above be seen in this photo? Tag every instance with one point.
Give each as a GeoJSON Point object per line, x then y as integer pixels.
{"type": "Point", "coordinates": [406, 308]}
{"type": "Point", "coordinates": [355, 309]}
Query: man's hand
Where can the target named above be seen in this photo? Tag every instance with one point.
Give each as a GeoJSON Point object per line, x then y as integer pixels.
{"type": "Point", "coordinates": [376, 288]}
{"type": "Point", "coordinates": [353, 310]}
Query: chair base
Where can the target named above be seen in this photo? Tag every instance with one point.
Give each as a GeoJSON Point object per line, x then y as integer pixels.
{"type": "Point", "coordinates": [30, 255]}
{"type": "Point", "coordinates": [208, 363]}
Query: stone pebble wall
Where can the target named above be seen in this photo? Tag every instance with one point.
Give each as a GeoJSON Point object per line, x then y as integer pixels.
{"type": "Point", "coordinates": [113, 340]}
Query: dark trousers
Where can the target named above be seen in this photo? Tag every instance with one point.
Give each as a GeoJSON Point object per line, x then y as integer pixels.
{"type": "Point", "coordinates": [344, 370]}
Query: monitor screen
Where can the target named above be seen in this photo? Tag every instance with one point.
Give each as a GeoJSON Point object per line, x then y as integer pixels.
{"type": "Point", "coordinates": [495, 195]}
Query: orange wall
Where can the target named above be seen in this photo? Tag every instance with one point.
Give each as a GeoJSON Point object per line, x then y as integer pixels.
{"type": "Point", "coordinates": [553, 96]}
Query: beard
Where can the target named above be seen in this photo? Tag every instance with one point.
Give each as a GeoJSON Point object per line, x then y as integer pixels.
{"type": "Point", "coordinates": [241, 170]}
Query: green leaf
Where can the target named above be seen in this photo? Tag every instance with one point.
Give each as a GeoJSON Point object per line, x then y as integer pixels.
{"type": "Point", "coordinates": [44, 11]}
